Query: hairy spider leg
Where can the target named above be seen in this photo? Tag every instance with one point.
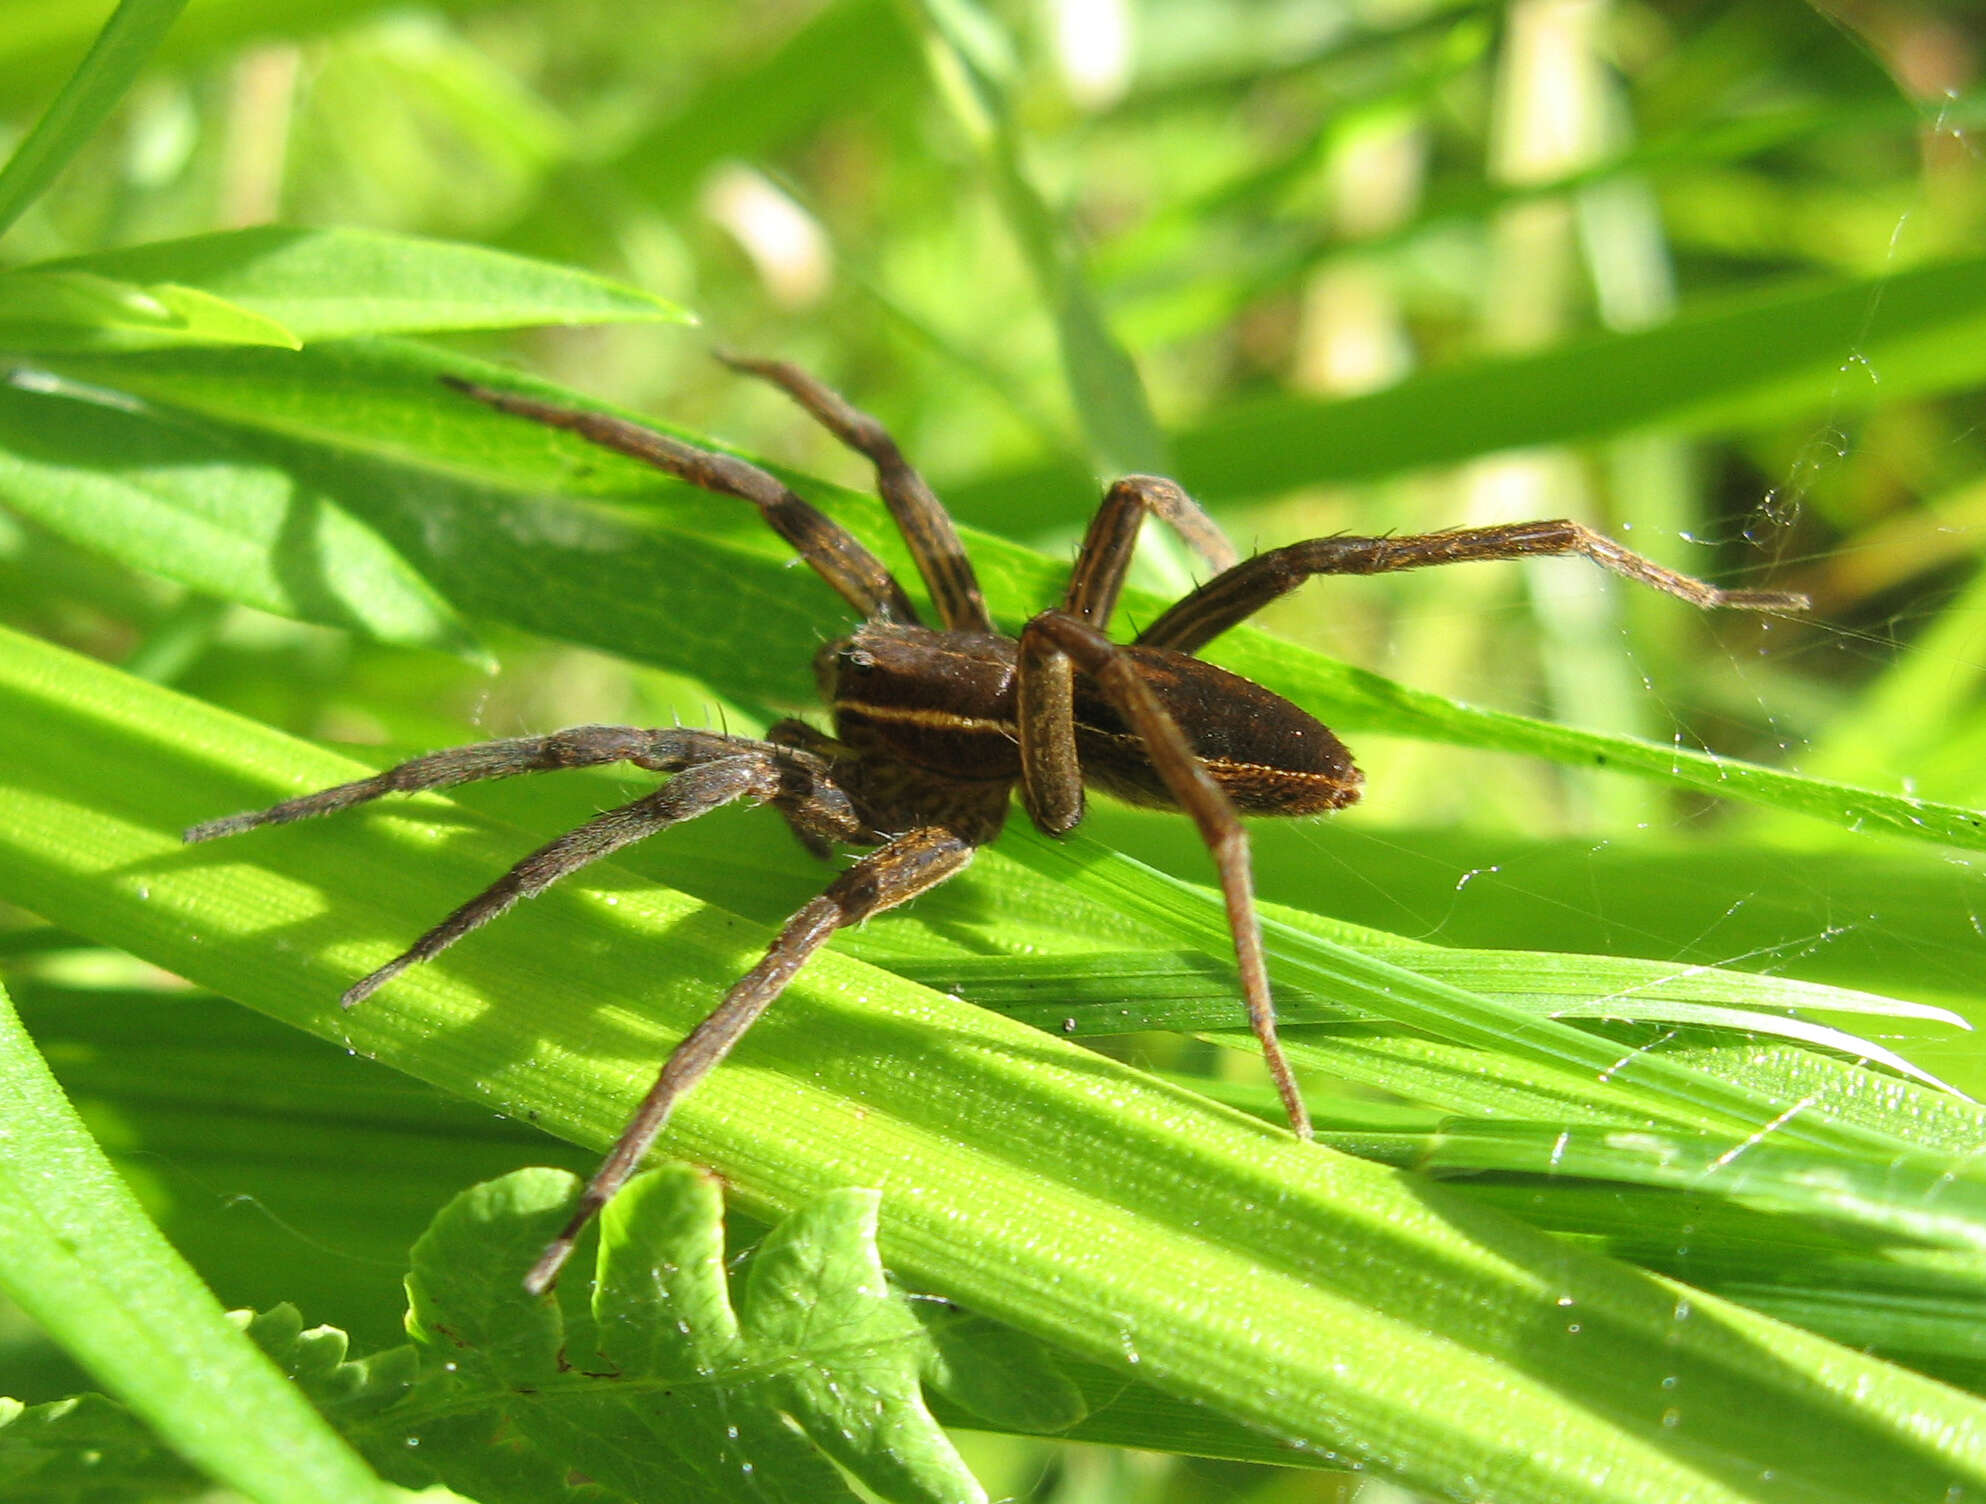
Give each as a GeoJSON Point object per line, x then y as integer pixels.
{"type": "Point", "coordinates": [835, 554]}
{"type": "Point", "coordinates": [926, 527]}
{"type": "Point", "coordinates": [1236, 595]}
{"type": "Point", "coordinates": [711, 771]}
{"type": "Point", "coordinates": [912, 863]}
{"type": "Point", "coordinates": [692, 792]}
{"type": "Point", "coordinates": [1105, 557]}
{"type": "Point", "coordinates": [1056, 644]}
{"type": "Point", "coordinates": [1052, 771]}
{"type": "Point", "coordinates": [1057, 635]}
{"type": "Point", "coordinates": [660, 751]}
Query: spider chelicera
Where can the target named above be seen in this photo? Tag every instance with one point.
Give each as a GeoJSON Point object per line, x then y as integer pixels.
{"type": "Point", "coordinates": [935, 727]}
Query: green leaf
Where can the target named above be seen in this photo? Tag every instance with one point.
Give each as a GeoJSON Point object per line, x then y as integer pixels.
{"type": "Point", "coordinates": [336, 283]}
{"type": "Point", "coordinates": [665, 1381]}
{"type": "Point", "coordinates": [77, 310]}
{"type": "Point", "coordinates": [79, 1256]}
{"type": "Point", "coordinates": [176, 498]}
{"type": "Point", "coordinates": [465, 1290]}
{"type": "Point", "coordinates": [819, 1313]}
{"type": "Point", "coordinates": [84, 1449]}
{"type": "Point", "coordinates": [1136, 1225]}
{"type": "Point", "coordinates": [998, 1375]}
{"type": "Point", "coordinates": [99, 81]}
{"type": "Point", "coordinates": [1122, 992]}
{"type": "Point", "coordinates": [504, 1400]}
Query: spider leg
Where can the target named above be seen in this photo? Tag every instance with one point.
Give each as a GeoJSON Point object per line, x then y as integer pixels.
{"type": "Point", "coordinates": [1231, 598]}
{"type": "Point", "coordinates": [909, 865]}
{"type": "Point", "coordinates": [1052, 782]}
{"type": "Point", "coordinates": [1106, 554]}
{"type": "Point", "coordinates": [695, 791]}
{"type": "Point", "coordinates": [818, 842]}
{"type": "Point", "coordinates": [857, 575]}
{"type": "Point", "coordinates": [1046, 784]}
{"type": "Point", "coordinates": [920, 517]}
{"type": "Point", "coordinates": [576, 747]}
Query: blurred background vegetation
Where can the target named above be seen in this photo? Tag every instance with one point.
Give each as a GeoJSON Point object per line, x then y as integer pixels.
{"type": "Point", "coordinates": [1263, 207]}
{"type": "Point", "coordinates": [1315, 199]}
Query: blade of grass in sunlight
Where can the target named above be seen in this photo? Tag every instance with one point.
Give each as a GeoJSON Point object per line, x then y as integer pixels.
{"type": "Point", "coordinates": [81, 1258]}
{"type": "Point", "coordinates": [1031, 1181]}
{"type": "Point", "coordinates": [1911, 334]}
{"type": "Point", "coordinates": [1125, 992]}
{"type": "Point", "coordinates": [1434, 1007]}
{"type": "Point", "coordinates": [180, 501]}
{"type": "Point", "coordinates": [199, 1089]}
{"type": "Point", "coordinates": [120, 50]}
{"type": "Point", "coordinates": [1027, 940]}
{"type": "Point", "coordinates": [678, 597]}
{"type": "Point", "coordinates": [337, 283]}
{"type": "Point", "coordinates": [190, 1092]}
{"type": "Point", "coordinates": [76, 310]}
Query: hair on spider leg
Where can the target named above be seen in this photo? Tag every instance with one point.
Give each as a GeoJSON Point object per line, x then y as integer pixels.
{"type": "Point", "coordinates": [937, 727]}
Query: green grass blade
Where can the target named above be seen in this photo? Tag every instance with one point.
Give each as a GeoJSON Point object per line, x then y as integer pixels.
{"type": "Point", "coordinates": [1122, 992]}
{"type": "Point", "coordinates": [649, 595]}
{"type": "Point", "coordinates": [1426, 1003]}
{"type": "Point", "coordinates": [1912, 334]}
{"type": "Point", "coordinates": [120, 50]}
{"type": "Point", "coordinates": [176, 499]}
{"type": "Point", "coordinates": [198, 1090]}
{"type": "Point", "coordinates": [1300, 1292]}
{"type": "Point", "coordinates": [191, 1092]}
{"type": "Point", "coordinates": [972, 54]}
{"type": "Point", "coordinates": [1024, 940]}
{"type": "Point", "coordinates": [1899, 918]}
{"type": "Point", "coordinates": [749, 111]}
{"type": "Point", "coordinates": [79, 1256]}
{"type": "Point", "coordinates": [76, 310]}
{"type": "Point", "coordinates": [337, 283]}
{"type": "Point", "coordinates": [1910, 1200]}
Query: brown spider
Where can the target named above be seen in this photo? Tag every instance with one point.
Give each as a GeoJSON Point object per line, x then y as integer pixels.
{"type": "Point", "coordinates": [935, 726]}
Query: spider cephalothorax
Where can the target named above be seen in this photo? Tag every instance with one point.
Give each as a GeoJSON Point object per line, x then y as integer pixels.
{"type": "Point", "coordinates": [937, 727]}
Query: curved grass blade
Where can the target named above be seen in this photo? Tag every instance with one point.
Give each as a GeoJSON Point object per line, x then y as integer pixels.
{"type": "Point", "coordinates": [337, 283]}
{"type": "Point", "coordinates": [77, 310]}
{"type": "Point", "coordinates": [366, 422]}
{"type": "Point", "coordinates": [161, 494]}
{"type": "Point", "coordinates": [82, 1259]}
{"type": "Point", "coordinates": [1103, 993]}
{"type": "Point", "coordinates": [1911, 333]}
{"type": "Point", "coordinates": [1914, 1200]}
{"type": "Point", "coordinates": [1040, 1185]}
{"type": "Point", "coordinates": [113, 61]}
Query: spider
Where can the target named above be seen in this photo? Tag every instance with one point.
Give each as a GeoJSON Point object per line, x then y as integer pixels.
{"type": "Point", "coordinates": [936, 727]}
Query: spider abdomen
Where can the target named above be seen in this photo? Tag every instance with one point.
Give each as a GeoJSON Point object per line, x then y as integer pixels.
{"type": "Point", "coordinates": [946, 702]}
{"type": "Point", "coordinates": [1268, 756]}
